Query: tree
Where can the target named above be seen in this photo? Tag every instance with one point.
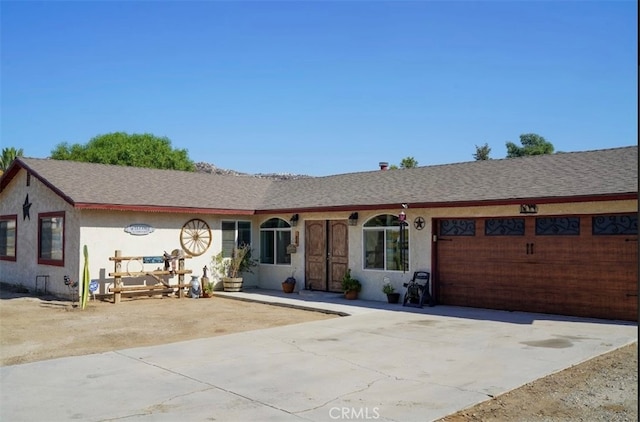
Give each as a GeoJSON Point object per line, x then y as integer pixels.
{"type": "Point", "coordinates": [532, 144]}
{"type": "Point", "coordinates": [482, 152]}
{"type": "Point", "coordinates": [408, 163]}
{"type": "Point", "coordinates": [7, 157]}
{"type": "Point", "coordinates": [135, 150]}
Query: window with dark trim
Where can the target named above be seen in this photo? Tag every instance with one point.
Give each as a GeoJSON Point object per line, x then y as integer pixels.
{"type": "Point", "coordinates": [557, 226]}
{"type": "Point", "coordinates": [384, 247]}
{"type": "Point", "coordinates": [624, 224]}
{"type": "Point", "coordinates": [51, 238]}
{"type": "Point", "coordinates": [8, 237]}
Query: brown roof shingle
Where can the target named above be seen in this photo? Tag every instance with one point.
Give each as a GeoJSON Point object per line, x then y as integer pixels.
{"type": "Point", "coordinates": [563, 175]}
{"type": "Point", "coordinates": [607, 172]}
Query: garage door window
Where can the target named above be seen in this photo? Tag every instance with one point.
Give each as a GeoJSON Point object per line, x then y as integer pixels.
{"type": "Point", "coordinates": [615, 224]}
{"type": "Point", "coordinates": [504, 227]}
{"type": "Point", "coordinates": [457, 227]}
{"type": "Point", "coordinates": [558, 226]}
{"type": "Point", "coordinates": [383, 248]}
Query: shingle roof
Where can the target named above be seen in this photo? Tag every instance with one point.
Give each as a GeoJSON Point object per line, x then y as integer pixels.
{"type": "Point", "coordinates": [90, 183]}
{"type": "Point", "coordinates": [574, 174]}
{"type": "Point", "coordinates": [558, 176]}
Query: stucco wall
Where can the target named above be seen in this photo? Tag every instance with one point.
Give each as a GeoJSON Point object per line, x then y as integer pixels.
{"type": "Point", "coordinates": [25, 269]}
{"type": "Point", "coordinates": [103, 233]}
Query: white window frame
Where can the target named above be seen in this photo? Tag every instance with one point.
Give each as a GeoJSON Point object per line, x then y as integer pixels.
{"type": "Point", "coordinates": [238, 240]}
{"type": "Point", "coordinates": [387, 232]}
{"type": "Point", "coordinates": [280, 254]}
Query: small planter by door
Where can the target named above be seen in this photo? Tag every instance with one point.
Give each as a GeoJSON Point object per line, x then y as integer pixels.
{"type": "Point", "coordinates": [232, 284]}
{"type": "Point", "coordinates": [351, 294]}
{"type": "Point", "coordinates": [288, 287]}
{"type": "Point", "coordinates": [393, 297]}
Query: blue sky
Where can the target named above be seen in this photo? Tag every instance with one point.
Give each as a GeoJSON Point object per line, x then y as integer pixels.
{"type": "Point", "coordinates": [320, 87]}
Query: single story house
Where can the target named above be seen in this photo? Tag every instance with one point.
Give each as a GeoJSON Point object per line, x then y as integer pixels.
{"type": "Point", "coordinates": [552, 233]}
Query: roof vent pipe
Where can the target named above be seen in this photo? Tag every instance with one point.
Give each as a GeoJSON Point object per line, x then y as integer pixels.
{"type": "Point", "coordinates": [383, 165]}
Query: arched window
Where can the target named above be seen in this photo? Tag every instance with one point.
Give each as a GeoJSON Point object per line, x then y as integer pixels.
{"type": "Point", "coordinates": [275, 236]}
{"type": "Point", "coordinates": [384, 247]}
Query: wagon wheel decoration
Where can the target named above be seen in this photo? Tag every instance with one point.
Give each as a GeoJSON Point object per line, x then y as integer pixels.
{"type": "Point", "coordinates": [195, 237]}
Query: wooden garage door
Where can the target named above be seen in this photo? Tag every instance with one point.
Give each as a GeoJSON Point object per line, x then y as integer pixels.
{"type": "Point", "coordinates": [571, 265]}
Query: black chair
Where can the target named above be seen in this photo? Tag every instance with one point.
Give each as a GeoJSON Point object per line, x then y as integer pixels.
{"type": "Point", "coordinates": [417, 293]}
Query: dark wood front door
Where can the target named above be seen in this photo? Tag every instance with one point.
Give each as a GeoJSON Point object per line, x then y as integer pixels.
{"type": "Point", "coordinates": [326, 254]}
{"type": "Point", "coordinates": [315, 255]}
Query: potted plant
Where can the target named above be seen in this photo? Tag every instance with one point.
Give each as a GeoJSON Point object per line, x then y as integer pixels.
{"type": "Point", "coordinates": [390, 291]}
{"type": "Point", "coordinates": [289, 284]}
{"type": "Point", "coordinates": [350, 286]}
{"type": "Point", "coordinates": [231, 268]}
{"type": "Point", "coordinates": [207, 289]}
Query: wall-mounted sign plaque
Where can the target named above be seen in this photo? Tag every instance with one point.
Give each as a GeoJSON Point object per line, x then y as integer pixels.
{"type": "Point", "coordinates": [139, 229]}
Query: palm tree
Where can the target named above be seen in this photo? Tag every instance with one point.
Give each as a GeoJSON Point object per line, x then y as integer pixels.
{"type": "Point", "coordinates": [7, 157]}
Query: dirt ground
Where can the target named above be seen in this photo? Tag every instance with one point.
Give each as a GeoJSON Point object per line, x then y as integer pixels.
{"type": "Point", "coordinates": [39, 328]}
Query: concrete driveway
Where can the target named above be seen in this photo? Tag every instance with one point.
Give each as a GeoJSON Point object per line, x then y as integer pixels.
{"type": "Point", "coordinates": [383, 362]}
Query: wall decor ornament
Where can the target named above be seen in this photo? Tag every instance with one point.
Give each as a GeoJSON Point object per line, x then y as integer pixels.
{"type": "Point", "coordinates": [25, 208]}
{"type": "Point", "coordinates": [195, 237]}
{"type": "Point", "coordinates": [418, 223]}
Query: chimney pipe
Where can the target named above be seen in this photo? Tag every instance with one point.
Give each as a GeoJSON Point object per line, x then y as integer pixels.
{"type": "Point", "coordinates": [383, 165]}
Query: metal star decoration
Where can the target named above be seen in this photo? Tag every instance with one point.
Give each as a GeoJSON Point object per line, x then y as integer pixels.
{"type": "Point", "coordinates": [418, 223]}
{"type": "Point", "coordinates": [25, 208]}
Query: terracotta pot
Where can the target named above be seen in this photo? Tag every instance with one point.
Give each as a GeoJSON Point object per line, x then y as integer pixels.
{"type": "Point", "coordinates": [351, 294]}
{"type": "Point", "coordinates": [288, 287]}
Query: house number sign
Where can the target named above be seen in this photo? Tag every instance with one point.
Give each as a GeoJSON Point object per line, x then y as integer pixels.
{"type": "Point", "coordinates": [139, 229]}
{"type": "Point", "coordinates": [528, 209]}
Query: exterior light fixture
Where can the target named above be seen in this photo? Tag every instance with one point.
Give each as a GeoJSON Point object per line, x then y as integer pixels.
{"type": "Point", "coordinates": [294, 220]}
{"type": "Point", "coordinates": [353, 219]}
